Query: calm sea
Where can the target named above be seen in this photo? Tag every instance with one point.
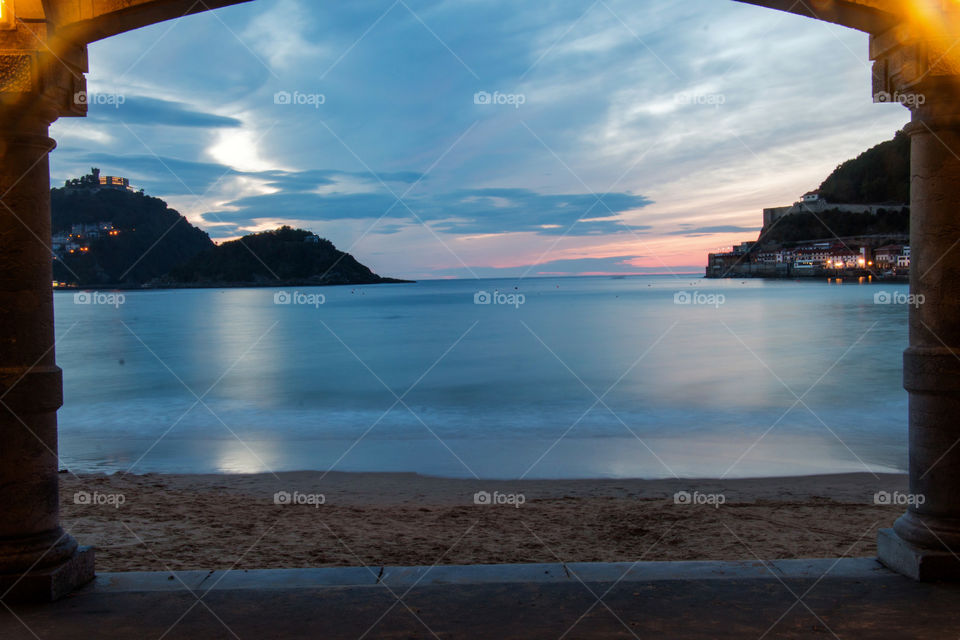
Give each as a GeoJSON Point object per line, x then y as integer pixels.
{"type": "Point", "coordinates": [554, 378]}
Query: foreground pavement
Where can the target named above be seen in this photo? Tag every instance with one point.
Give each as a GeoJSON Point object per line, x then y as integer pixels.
{"type": "Point", "coordinates": [856, 598]}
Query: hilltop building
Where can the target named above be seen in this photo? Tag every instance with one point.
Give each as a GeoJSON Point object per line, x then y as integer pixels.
{"type": "Point", "coordinates": [115, 182]}
{"type": "Point", "coordinates": [93, 181]}
{"type": "Point", "coordinates": [813, 202]}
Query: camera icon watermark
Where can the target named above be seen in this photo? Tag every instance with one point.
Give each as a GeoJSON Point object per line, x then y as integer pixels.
{"type": "Point", "coordinates": [285, 498]}
{"type": "Point", "coordinates": [497, 98]}
{"type": "Point", "coordinates": [485, 498]}
{"type": "Point", "coordinates": [114, 100]}
{"type": "Point", "coordinates": [496, 298]}
{"type": "Point", "coordinates": [715, 500]}
{"type": "Point", "coordinates": [897, 297]}
{"type": "Point", "coordinates": [96, 499]}
{"type": "Point", "coordinates": [899, 499]}
{"type": "Point", "coordinates": [300, 299]}
{"type": "Point", "coordinates": [297, 98]}
{"type": "Point", "coordinates": [114, 300]}
{"type": "Point", "coordinates": [696, 298]}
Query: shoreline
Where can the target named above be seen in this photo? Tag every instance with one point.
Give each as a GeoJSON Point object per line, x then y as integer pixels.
{"type": "Point", "coordinates": [160, 522]}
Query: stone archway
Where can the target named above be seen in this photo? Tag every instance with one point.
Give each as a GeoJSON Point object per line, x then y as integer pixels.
{"type": "Point", "coordinates": [916, 61]}
{"type": "Point", "coordinates": [42, 62]}
{"type": "Point", "coordinates": [43, 58]}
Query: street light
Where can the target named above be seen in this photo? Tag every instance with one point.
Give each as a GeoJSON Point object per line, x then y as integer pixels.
{"type": "Point", "coordinates": [6, 15]}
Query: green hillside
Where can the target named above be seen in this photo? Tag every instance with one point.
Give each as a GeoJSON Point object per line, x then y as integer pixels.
{"type": "Point", "coordinates": [109, 235]}
{"type": "Point", "coordinates": [286, 255]}
{"type": "Point", "coordinates": [876, 176]}
{"type": "Point", "coordinates": [152, 238]}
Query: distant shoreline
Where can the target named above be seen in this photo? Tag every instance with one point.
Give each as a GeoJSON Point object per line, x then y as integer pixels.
{"type": "Point", "coordinates": [227, 285]}
{"type": "Point", "coordinates": [868, 278]}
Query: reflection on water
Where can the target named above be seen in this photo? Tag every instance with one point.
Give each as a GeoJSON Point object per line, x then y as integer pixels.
{"type": "Point", "coordinates": [239, 456]}
{"type": "Point", "coordinates": [589, 377]}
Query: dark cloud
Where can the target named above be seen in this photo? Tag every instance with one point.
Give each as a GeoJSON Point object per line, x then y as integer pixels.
{"type": "Point", "coordinates": [153, 112]}
{"type": "Point", "coordinates": [174, 176]}
{"type": "Point", "coordinates": [705, 231]}
{"type": "Point", "coordinates": [465, 211]}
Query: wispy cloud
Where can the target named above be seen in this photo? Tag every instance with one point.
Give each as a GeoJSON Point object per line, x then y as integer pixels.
{"type": "Point", "coordinates": [692, 115]}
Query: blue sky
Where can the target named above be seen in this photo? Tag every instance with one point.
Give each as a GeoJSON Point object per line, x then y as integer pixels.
{"type": "Point", "coordinates": [478, 138]}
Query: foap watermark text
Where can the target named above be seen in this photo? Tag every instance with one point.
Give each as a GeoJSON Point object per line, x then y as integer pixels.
{"type": "Point", "coordinates": [714, 500]}
{"type": "Point", "coordinates": [114, 100]}
{"type": "Point", "coordinates": [906, 99]}
{"type": "Point", "coordinates": [496, 498]}
{"type": "Point", "coordinates": [299, 298]}
{"type": "Point", "coordinates": [97, 499]}
{"type": "Point", "coordinates": [497, 298]}
{"type": "Point", "coordinates": [898, 297]}
{"type": "Point", "coordinates": [299, 99]}
{"type": "Point", "coordinates": [696, 298]}
{"type": "Point", "coordinates": [99, 298]}
{"type": "Point", "coordinates": [702, 99]}
{"type": "Point", "coordinates": [496, 98]}
{"type": "Point", "coordinates": [285, 498]}
{"type": "Point", "coordinates": [899, 499]}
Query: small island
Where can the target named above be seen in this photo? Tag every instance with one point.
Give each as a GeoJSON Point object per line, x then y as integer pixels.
{"type": "Point", "coordinates": [106, 234]}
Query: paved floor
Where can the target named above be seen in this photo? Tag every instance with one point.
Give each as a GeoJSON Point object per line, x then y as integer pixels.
{"type": "Point", "coordinates": [855, 598]}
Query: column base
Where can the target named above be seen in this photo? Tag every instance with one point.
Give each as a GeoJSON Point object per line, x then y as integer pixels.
{"type": "Point", "coordinates": [915, 562]}
{"type": "Point", "coordinates": [51, 583]}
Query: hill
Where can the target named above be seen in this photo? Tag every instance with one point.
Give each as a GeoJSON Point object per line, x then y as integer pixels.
{"type": "Point", "coordinates": [880, 174]}
{"type": "Point", "coordinates": [105, 234]}
{"type": "Point", "coordinates": [142, 239]}
{"type": "Point", "coordinates": [283, 256]}
{"type": "Point", "coordinates": [806, 227]}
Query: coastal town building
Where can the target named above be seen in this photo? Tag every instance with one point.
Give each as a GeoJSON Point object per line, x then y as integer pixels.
{"type": "Point", "coordinates": [812, 259]}
{"type": "Point", "coordinates": [79, 238]}
{"type": "Point", "coordinates": [893, 254]}
{"type": "Point", "coordinates": [868, 254]}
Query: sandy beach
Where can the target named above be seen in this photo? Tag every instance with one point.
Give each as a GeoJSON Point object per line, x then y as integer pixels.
{"type": "Point", "coordinates": [170, 522]}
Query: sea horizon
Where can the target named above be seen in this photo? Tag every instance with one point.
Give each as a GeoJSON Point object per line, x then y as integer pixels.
{"type": "Point", "coordinates": [563, 377]}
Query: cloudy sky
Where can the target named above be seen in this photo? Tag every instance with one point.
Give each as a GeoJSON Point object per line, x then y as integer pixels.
{"type": "Point", "coordinates": [476, 138]}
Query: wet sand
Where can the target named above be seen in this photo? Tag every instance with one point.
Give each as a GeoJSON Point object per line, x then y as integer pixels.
{"type": "Point", "coordinates": [159, 522]}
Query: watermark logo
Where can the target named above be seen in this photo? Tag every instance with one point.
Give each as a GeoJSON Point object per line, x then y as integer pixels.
{"type": "Point", "coordinates": [906, 99]}
{"type": "Point", "coordinates": [300, 99]}
{"type": "Point", "coordinates": [96, 499]}
{"type": "Point", "coordinates": [700, 99]}
{"type": "Point", "coordinates": [497, 298]}
{"type": "Point", "coordinates": [715, 300]}
{"type": "Point", "coordinates": [285, 498]}
{"type": "Point", "coordinates": [899, 499]}
{"type": "Point", "coordinates": [714, 500]}
{"type": "Point", "coordinates": [298, 298]}
{"type": "Point", "coordinates": [99, 298]}
{"type": "Point", "coordinates": [897, 297]}
{"type": "Point", "coordinates": [497, 498]}
{"type": "Point", "coordinates": [497, 98]}
{"type": "Point", "coordinates": [109, 99]}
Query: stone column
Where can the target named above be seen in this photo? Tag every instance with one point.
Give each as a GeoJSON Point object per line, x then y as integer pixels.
{"type": "Point", "coordinates": [38, 560]}
{"type": "Point", "coordinates": [925, 542]}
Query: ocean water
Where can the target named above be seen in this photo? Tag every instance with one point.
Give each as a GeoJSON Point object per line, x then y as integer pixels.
{"type": "Point", "coordinates": [590, 377]}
